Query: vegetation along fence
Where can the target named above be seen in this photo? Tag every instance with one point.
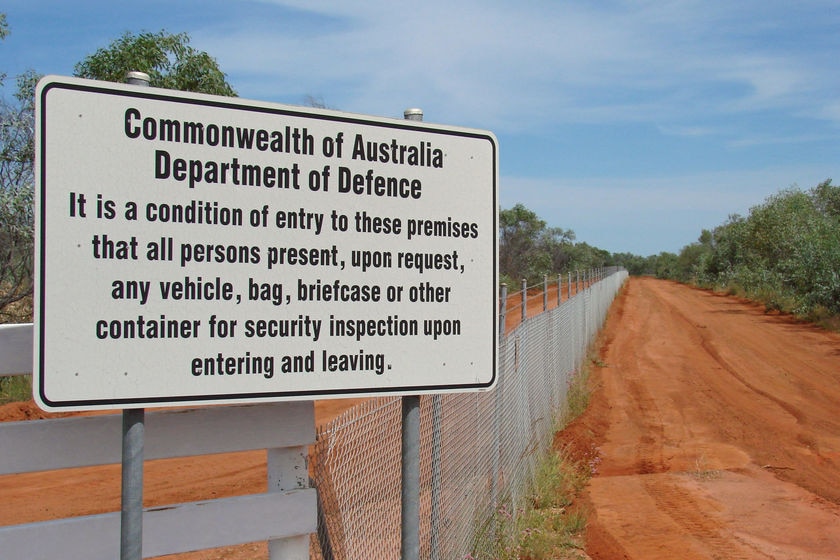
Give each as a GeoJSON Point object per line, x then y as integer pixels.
{"type": "Point", "coordinates": [478, 451]}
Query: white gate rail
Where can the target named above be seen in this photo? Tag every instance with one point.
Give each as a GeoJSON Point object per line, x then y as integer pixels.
{"type": "Point", "coordinates": [15, 349]}
{"type": "Point", "coordinates": [284, 516]}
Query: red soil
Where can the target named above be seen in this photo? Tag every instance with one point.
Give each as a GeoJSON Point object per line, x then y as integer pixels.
{"type": "Point", "coordinates": [716, 428]}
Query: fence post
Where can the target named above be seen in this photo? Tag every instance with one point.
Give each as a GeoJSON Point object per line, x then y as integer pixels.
{"type": "Point", "coordinates": [131, 508]}
{"type": "Point", "coordinates": [133, 436]}
{"type": "Point", "coordinates": [495, 468]}
{"type": "Point", "coordinates": [524, 299]}
{"type": "Point", "coordinates": [585, 323]}
{"type": "Point", "coordinates": [436, 479]}
{"type": "Point", "coordinates": [287, 470]}
{"type": "Point", "coordinates": [410, 508]}
{"type": "Point", "coordinates": [559, 289]}
{"type": "Point", "coordinates": [570, 284]}
{"type": "Point", "coordinates": [494, 492]}
{"type": "Point", "coordinates": [503, 311]}
{"type": "Point", "coordinates": [545, 292]}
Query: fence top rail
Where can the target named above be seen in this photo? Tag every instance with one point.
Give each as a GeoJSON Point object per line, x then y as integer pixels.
{"type": "Point", "coordinates": [16, 349]}
{"type": "Point", "coordinates": [31, 445]}
{"type": "Point", "coordinates": [169, 529]}
{"type": "Point", "coordinates": [562, 278]}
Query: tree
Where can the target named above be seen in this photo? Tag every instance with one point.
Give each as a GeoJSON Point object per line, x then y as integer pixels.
{"type": "Point", "coordinates": [827, 199]}
{"type": "Point", "coordinates": [4, 32]}
{"type": "Point", "coordinates": [691, 262]}
{"type": "Point", "coordinates": [529, 249]}
{"type": "Point", "coordinates": [17, 129]}
{"type": "Point", "coordinates": [170, 62]}
{"type": "Point", "coordinates": [583, 256]}
{"type": "Point", "coordinates": [786, 253]}
{"type": "Point", "coordinates": [558, 243]}
{"type": "Point", "coordinates": [636, 265]}
{"type": "Point", "coordinates": [168, 59]}
{"type": "Point", "coordinates": [520, 253]}
{"type": "Point", "coordinates": [665, 265]}
{"type": "Point", "coordinates": [728, 251]}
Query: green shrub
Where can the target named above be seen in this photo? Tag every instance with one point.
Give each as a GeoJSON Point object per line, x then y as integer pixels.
{"type": "Point", "coordinates": [15, 388]}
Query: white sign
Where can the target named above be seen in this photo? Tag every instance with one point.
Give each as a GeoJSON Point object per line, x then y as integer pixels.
{"type": "Point", "coordinates": [202, 249]}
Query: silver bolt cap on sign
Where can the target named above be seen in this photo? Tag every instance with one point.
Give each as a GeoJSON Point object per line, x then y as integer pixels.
{"type": "Point", "coordinates": [136, 78]}
{"type": "Point", "coordinates": [413, 114]}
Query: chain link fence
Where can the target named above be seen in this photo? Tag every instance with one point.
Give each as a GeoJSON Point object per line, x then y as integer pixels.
{"type": "Point", "coordinates": [478, 450]}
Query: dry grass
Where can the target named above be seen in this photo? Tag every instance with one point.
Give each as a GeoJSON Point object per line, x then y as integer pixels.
{"type": "Point", "coordinates": [17, 312]}
{"type": "Point", "coordinates": [702, 471]}
{"type": "Point", "coordinates": [19, 387]}
{"type": "Point", "coordinates": [16, 388]}
{"type": "Point", "coordinates": [551, 523]}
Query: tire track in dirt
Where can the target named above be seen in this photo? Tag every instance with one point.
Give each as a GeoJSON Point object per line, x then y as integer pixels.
{"type": "Point", "coordinates": [718, 430]}
{"type": "Point", "coordinates": [680, 506]}
{"type": "Point", "coordinates": [707, 344]}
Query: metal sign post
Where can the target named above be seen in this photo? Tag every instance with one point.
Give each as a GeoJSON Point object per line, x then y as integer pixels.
{"type": "Point", "coordinates": [133, 443]}
{"type": "Point", "coordinates": [410, 547]}
{"type": "Point", "coordinates": [131, 512]}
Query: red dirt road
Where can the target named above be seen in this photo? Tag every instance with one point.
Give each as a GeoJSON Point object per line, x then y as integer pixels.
{"type": "Point", "coordinates": [717, 431]}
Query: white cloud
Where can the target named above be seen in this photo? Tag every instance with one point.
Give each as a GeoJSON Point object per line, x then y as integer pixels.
{"type": "Point", "coordinates": [710, 71]}
{"type": "Point", "coordinates": [519, 65]}
{"type": "Point", "coordinates": [689, 131]}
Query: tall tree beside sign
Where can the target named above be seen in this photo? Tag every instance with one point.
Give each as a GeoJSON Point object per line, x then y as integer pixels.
{"type": "Point", "coordinates": [167, 58]}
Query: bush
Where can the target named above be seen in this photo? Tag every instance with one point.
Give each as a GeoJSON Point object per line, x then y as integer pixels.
{"type": "Point", "coordinates": [786, 253]}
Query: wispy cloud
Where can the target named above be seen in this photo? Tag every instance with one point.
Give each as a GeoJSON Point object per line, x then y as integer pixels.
{"type": "Point", "coordinates": [689, 131]}
{"type": "Point", "coordinates": [519, 65]}
{"type": "Point", "coordinates": [777, 140]}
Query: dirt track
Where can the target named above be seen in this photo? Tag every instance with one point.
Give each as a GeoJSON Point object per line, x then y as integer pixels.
{"type": "Point", "coordinates": [717, 431]}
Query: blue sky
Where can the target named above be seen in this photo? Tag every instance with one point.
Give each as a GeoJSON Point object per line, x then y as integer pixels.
{"type": "Point", "coordinates": [634, 123]}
